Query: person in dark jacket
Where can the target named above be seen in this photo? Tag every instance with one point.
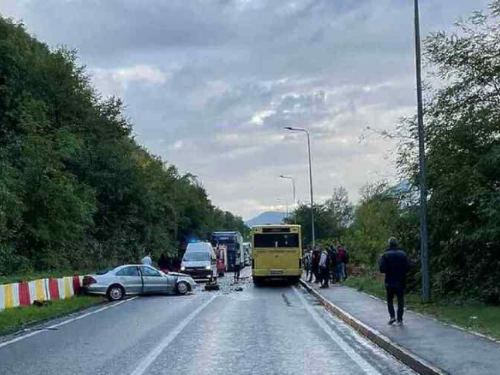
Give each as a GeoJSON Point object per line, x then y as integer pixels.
{"type": "Point", "coordinates": [163, 263]}
{"type": "Point", "coordinates": [395, 264]}
{"type": "Point", "coordinates": [333, 263]}
{"type": "Point", "coordinates": [345, 261]}
{"type": "Point", "coordinates": [341, 264]}
{"type": "Point", "coordinates": [315, 265]}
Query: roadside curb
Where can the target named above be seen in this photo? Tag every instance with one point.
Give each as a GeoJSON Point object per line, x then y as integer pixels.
{"type": "Point", "coordinates": [5, 335]}
{"type": "Point", "coordinates": [409, 359]}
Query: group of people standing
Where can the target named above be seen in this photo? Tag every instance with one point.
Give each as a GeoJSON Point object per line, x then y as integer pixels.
{"type": "Point", "coordinates": [325, 264]}
{"type": "Point", "coordinates": [329, 264]}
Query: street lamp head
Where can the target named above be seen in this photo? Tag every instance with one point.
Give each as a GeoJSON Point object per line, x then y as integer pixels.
{"type": "Point", "coordinates": [296, 129]}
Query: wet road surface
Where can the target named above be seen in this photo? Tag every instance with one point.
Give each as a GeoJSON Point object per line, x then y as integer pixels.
{"type": "Point", "coordinates": [276, 329]}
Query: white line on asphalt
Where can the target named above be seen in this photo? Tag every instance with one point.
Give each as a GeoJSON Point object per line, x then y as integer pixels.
{"type": "Point", "coordinates": [146, 362]}
{"type": "Point", "coordinates": [31, 334]}
{"type": "Point", "coordinates": [365, 366]}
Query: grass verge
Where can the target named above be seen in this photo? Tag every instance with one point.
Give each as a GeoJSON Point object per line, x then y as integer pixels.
{"type": "Point", "coordinates": [470, 315]}
{"type": "Point", "coordinates": [12, 319]}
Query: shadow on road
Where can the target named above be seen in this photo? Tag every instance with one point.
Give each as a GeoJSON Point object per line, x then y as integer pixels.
{"type": "Point", "coordinates": [274, 283]}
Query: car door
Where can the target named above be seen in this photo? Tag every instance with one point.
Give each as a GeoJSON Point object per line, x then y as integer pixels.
{"type": "Point", "coordinates": [154, 281]}
{"type": "Point", "coordinates": [131, 279]}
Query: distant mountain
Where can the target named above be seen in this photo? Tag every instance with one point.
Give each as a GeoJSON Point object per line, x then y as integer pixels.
{"type": "Point", "coordinates": [269, 217]}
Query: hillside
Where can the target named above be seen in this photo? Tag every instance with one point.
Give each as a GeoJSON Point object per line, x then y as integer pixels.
{"type": "Point", "coordinates": [77, 190]}
{"type": "Point", "coordinates": [269, 217]}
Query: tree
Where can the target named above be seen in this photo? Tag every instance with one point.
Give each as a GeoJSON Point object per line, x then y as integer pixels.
{"type": "Point", "coordinates": [463, 151]}
{"type": "Point", "coordinates": [340, 210]}
{"type": "Point", "coordinates": [331, 219]}
{"type": "Point", "coordinates": [76, 190]}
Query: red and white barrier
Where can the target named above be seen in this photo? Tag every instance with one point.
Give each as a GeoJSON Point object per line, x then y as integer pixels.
{"type": "Point", "coordinates": [25, 293]}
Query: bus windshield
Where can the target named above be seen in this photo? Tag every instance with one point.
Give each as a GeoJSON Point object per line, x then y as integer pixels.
{"type": "Point", "coordinates": [276, 240]}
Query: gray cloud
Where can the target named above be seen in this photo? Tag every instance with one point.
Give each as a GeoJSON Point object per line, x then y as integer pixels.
{"type": "Point", "coordinates": [210, 84]}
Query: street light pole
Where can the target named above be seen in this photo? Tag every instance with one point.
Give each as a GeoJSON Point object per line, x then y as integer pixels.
{"type": "Point", "coordinates": [293, 186]}
{"type": "Point", "coordinates": [424, 244]}
{"type": "Point", "coordinates": [313, 236]}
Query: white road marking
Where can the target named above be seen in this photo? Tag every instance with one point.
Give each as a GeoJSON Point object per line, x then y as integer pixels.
{"type": "Point", "coordinates": [146, 362]}
{"type": "Point", "coordinates": [364, 365]}
{"type": "Point", "coordinates": [31, 334]}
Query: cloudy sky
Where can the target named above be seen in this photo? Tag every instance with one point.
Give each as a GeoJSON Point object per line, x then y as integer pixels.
{"type": "Point", "coordinates": [210, 84]}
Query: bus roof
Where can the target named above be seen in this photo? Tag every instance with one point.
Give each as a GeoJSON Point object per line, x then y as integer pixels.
{"type": "Point", "coordinates": [277, 226]}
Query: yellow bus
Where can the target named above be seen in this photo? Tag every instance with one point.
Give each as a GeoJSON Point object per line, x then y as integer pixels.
{"type": "Point", "coordinates": [276, 252]}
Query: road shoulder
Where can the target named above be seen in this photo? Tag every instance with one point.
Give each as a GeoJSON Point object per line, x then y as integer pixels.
{"type": "Point", "coordinates": [14, 322]}
{"type": "Point", "coordinates": [425, 345]}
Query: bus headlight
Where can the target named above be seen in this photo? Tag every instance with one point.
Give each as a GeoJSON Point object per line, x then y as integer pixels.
{"type": "Point", "coordinates": [183, 268]}
{"type": "Point", "coordinates": [208, 268]}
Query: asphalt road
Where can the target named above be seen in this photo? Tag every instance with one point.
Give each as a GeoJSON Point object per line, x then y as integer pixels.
{"type": "Point", "coordinates": [278, 329]}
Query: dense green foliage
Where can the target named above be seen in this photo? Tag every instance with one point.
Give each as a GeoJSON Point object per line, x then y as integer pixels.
{"type": "Point", "coordinates": [331, 219]}
{"type": "Point", "coordinates": [463, 152]}
{"type": "Point", "coordinates": [462, 122]}
{"type": "Point", "coordinates": [76, 189]}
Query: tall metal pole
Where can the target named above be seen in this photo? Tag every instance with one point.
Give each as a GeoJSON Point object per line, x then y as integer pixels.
{"type": "Point", "coordinates": [424, 243]}
{"type": "Point", "coordinates": [311, 186]}
{"type": "Point", "coordinates": [313, 235]}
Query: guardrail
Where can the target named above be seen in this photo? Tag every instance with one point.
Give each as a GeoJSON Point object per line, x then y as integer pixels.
{"type": "Point", "coordinates": [26, 293]}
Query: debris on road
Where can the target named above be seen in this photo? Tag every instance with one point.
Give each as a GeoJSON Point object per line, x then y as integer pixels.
{"type": "Point", "coordinates": [42, 303]}
{"type": "Point", "coordinates": [212, 286]}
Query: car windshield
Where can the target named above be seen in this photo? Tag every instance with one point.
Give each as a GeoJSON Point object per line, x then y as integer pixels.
{"type": "Point", "coordinates": [196, 257]}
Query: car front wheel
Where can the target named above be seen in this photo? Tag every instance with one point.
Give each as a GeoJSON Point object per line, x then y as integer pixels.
{"type": "Point", "coordinates": [182, 288]}
{"type": "Point", "coordinates": [115, 293]}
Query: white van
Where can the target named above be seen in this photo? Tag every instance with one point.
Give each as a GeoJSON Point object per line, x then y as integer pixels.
{"type": "Point", "coordinates": [199, 261]}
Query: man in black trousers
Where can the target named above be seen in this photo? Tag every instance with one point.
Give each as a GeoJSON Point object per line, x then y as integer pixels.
{"type": "Point", "coordinates": [394, 263]}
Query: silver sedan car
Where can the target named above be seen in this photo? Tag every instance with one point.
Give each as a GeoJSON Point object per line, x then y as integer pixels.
{"type": "Point", "coordinates": [134, 279]}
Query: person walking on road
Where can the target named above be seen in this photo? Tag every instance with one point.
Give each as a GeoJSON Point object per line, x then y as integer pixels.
{"type": "Point", "coordinates": [324, 266]}
{"type": "Point", "coordinates": [147, 260]}
{"type": "Point", "coordinates": [395, 265]}
{"type": "Point", "coordinates": [237, 268]}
